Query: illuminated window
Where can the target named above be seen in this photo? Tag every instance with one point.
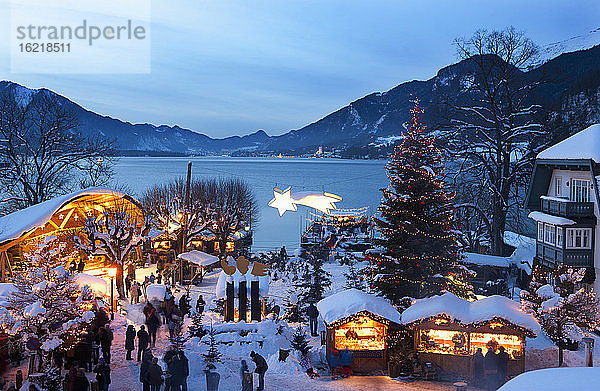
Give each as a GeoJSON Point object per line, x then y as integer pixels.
{"type": "Point", "coordinates": [512, 344]}
{"type": "Point", "coordinates": [361, 334]}
{"type": "Point", "coordinates": [229, 246]}
{"type": "Point", "coordinates": [443, 341]}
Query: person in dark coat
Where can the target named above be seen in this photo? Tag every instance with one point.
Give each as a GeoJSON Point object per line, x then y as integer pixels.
{"type": "Point", "coordinates": [491, 369]}
{"type": "Point", "coordinates": [102, 375]}
{"type": "Point", "coordinates": [81, 382]}
{"type": "Point", "coordinates": [58, 356]}
{"type": "Point", "coordinates": [168, 358]}
{"type": "Point", "coordinates": [261, 368]}
{"type": "Point", "coordinates": [83, 354]}
{"type": "Point", "coordinates": [200, 303]}
{"type": "Point", "coordinates": [478, 368]}
{"type": "Point", "coordinates": [72, 375]}
{"type": "Point", "coordinates": [106, 338]}
{"type": "Point", "coordinates": [127, 285]}
{"type": "Point", "coordinates": [313, 313]}
{"type": "Point", "coordinates": [184, 305]}
{"type": "Point", "coordinates": [129, 341]}
{"type": "Point", "coordinates": [346, 362]}
{"type": "Point", "coordinates": [146, 362]}
{"type": "Point", "coordinates": [502, 365]}
{"type": "Point", "coordinates": [186, 370]}
{"type": "Point", "coordinates": [179, 372]}
{"type": "Point", "coordinates": [80, 266]}
{"type": "Point", "coordinates": [153, 323]}
{"type": "Point", "coordinates": [154, 375]}
{"type": "Point", "coordinates": [143, 341]}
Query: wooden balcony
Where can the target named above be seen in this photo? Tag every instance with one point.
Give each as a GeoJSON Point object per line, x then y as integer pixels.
{"type": "Point", "coordinates": [551, 256]}
{"type": "Point", "coordinates": [566, 208]}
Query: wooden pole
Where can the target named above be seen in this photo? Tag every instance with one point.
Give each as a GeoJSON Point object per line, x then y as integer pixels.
{"type": "Point", "coordinates": [185, 217]}
{"type": "Point", "coordinates": [3, 266]}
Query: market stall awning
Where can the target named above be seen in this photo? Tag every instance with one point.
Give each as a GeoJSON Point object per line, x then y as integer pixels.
{"type": "Point", "coordinates": [351, 302]}
{"type": "Point", "coordinates": [467, 312]}
{"type": "Point", "coordinates": [199, 258]}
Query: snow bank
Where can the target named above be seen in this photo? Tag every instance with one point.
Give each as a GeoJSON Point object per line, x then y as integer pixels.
{"type": "Point", "coordinates": [263, 283]}
{"type": "Point", "coordinates": [156, 292]}
{"type": "Point", "coordinates": [485, 260]}
{"type": "Point", "coordinates": [546, 218]}
{"type": "Point", "coordinates": [352, 301]}
{"type": "Point", "coordinates": [556, 379]}
{"type": "Point", "coordinates": [468, 312]}
{"type": "Point", "coordinates": [582, 145]}
{"type": "Point", "coordinates": [199, 258]}
{"type": "Point", "coordinates": [97, 284]}
{"type": "Point", "coordinates": [6, 288]}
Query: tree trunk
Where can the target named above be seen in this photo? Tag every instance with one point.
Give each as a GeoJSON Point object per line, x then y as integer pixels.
{"type": "Point", "coordinates": [119, 282]}
{"type": "Point", "coordinates": [498, 226]}
{"type": "Point", "coordinates": [560, 354]}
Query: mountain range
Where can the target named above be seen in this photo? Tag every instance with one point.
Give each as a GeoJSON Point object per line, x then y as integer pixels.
{"type": "Point", "coordinates": [369, 124]}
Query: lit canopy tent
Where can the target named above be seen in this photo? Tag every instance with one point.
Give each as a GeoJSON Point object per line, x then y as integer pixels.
{"type": "Point", "coordinates": [449, 330]}
{"type": "Point", "coordinates": [67, 213]}
{"type": "Point", "coordinates": [200, 260]}
{"type": "Point", "coordinates": [359, 322]}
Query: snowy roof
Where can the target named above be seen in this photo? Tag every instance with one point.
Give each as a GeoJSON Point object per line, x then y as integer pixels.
{"type": "Point", "coordinates": [360, 212]}
{"type": "Point", "coordinates": [582, 145]}
{"type": "Point", "coordinates": [468, 312]}
{"type": "Point", "coordinates": [515, 240]}
{"type": "Point", "coordinates": [546, 218]}
{"type": "Point", "coordinates": [199, 258]}
{"type": "Point", "coordinates": [555, 379]}
{"type": "Point", "coordinates": [352, 301]}
{"type": "Point", "coordinates": [97, 284]}
{"type": "Point", "coordinates": [17, 223]}
{"type": "Point", "coordinates": [485, 260]}
{"type": "Point", "coordinates": [156, 292]}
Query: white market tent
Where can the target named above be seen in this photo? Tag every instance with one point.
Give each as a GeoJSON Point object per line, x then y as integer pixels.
{"type": "Point", "coordinates": [199, 258]}
{"type": "Point", "coordinates": [469, 312]}
{"type": "Point", "coordinates": [582, 145]}
{"type": "Point", "coordinates": [353, 301]}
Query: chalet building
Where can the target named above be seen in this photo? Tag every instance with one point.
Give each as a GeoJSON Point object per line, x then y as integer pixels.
{"type": "Point", "coordinates": [565, 202]}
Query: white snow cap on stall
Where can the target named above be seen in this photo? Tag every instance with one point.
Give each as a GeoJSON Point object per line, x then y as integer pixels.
{"type": "Point", "coordinates": [97, 284]}
{"type": "Point", "coordinates": [199, 258]}
{"type": "Point", "coordinates": [15, 224]}
{"type": "Point", "coordinates": [546, 218]}
{"type": "Point", "coordinates": [352, 301]}
{"type": "Point", "coordinates": [468, 312]}
{"type": "Point", "coordinates": [156, 292]}
{"type": "Point", "coordinates": [263, 283]}
{"type": "Point", "coordinates": [582, 145]}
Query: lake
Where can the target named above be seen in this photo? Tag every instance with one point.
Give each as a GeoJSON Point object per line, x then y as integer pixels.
{"type": "Point", "coordinates": [356, 181]}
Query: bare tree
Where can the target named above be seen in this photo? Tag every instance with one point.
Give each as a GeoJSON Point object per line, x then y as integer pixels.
{"type": "Point", "coordinates": [495, 132]}
{"type": "Point", "coordinates": [219, 206]}
{"type": "Point", "coordinates": [113, 230]}
{"type": "Point", "coordinates": [41, 152]}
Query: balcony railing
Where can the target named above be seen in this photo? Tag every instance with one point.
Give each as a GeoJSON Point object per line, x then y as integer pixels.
{"type": "Point", "coordinates": [551, 256]}
{"type": "Point", "coordinates": [566, 208]}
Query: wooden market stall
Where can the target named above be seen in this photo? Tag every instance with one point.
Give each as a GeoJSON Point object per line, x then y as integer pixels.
{"type": "Point", "coordinates": [360, 323]}
{"type": "Point", "coordinates": [448, 331]}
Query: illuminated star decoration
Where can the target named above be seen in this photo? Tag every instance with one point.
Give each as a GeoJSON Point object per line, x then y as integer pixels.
{"type": "Point", "coordinates": [321, 201]}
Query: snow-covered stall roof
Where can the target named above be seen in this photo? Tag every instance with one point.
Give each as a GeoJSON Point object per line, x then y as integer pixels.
{"type": "Point", "coordinates": [199, 258]}
{"type": "Point", "coordinates": [485, 260]}
{"type": "Point", "coordinates": [263, 282]}
{"type": "Point", "coordinates": [469, 312]}
{"type": "Point", "coordinates": [351, 302]}
{"type": "Point", "coordinates": [17, 223]}
{"type": "Point", "coordinates": [97, 284]}
{"type": "Point", "coordinates": [582, 145]}
{"type": "Point", "coordinates": [546, 218]}
{"type": "Point", "coordinates": [156, 292]}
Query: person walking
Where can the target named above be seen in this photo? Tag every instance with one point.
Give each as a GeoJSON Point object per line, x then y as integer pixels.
{"type": "Point", "coordinates": [152, 278]}
{"type": "Point", "coordinates": [143, 341]}
{"type": "Point", "coordinates": [313, 313]}
{"type": "Point", "coordinates": [177, 371]}
{"type": "Point", "coordinates": [153, 323]}
{"type": "Point", "coordinates": [81, 381]}
{"type": "Point", "coordinates": [154, 375]}
{"type": "Point", "coordinates": [184, 305]}
{"type": "Point", "coordinates": [129, 341]}
{"type": "Point", "coordinates": [146, 362]}
{"type": "Point", "coordinates": [491, 369]}
{"type": "Point", "coordinates": [135, 292]}
{"type": "Point", "coordinates": [73, 375]}
{"type": "Point", "coordinates": [503, 358]}
{"type": "Point", "coordinates": [185, 365]}
{"type": "Point", "coordinates": [80, 266]}
{"type": "Point", "coordinates": [200, 303]}
{"type": "Point", "coordinates": [106, 338]}
{"type": "Point", "coordinates": [261, 369]}
{"type": "Point", "coordinates": [246, 376]}
{"type": "Point", "coordinates": [127, 285]}
{"type": "Point", "coordinates": [159, 277]}
{"type": "Point", "coordinates": [102, 371]}
{"type": "Point", "coordinates": [478, 368]}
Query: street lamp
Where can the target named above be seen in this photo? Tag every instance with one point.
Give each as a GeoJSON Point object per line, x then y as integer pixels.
{"type": "Point", "coordinates": [112, 272]}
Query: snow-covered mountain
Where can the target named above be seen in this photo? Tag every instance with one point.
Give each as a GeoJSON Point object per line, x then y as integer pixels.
{"type": "Point", "coordinates": [571, 97]}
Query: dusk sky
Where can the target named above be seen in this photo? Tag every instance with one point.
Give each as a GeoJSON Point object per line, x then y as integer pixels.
{"type": "Point", "coordinates": [231, 67]}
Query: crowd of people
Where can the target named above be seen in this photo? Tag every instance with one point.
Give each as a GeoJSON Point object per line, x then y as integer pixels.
{"type": "Point", "coordinates": [490, 371]}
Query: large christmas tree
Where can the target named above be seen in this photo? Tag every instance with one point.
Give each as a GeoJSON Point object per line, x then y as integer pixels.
{"type": "Point", "coordinates": [417, 222]}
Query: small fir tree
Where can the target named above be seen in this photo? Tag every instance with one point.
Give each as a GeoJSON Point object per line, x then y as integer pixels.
{"type": "Point", "coordinates": [212, 356]}
{"type": "Point", "coordinates": [565, 314]}
{"type": "Point", "coordinates": [292, 311]}
{"type": "Point", "coordinates": [315, 280]}
{"type": "Point", "coordinates": [354, 279]}
{"type": "Point", "coordinates": [196, 329]}
{"type": "Point", "coordinates": [300, 342]}
{"type": "Point", "coordinates": [417, 222]}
